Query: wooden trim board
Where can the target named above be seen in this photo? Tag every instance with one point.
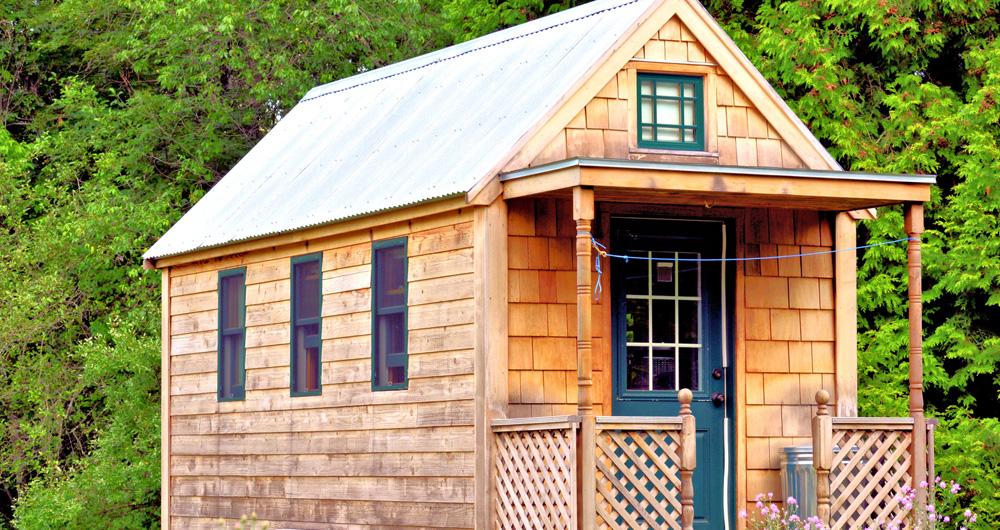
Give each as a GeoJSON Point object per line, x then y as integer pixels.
{"type": "Point", "coordinates": [165, 398]}
{"type": "Point", "coordinates": [490, 281]}
{"type": "Point", "coordinates": [846, 314]}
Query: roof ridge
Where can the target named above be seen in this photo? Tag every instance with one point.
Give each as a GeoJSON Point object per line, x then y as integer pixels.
{"type": "Point", "coordinates": [456, 54]}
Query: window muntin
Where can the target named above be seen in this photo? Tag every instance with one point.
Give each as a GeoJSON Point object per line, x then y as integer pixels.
{"type": "Point", "coordinates": [307, 325]}
{"type": "Point", "coordinates": [232, 335]}
{"type": "Point", "coordinates": [671, 112]}
{"type": "Point", "coordinates": [389, 357]}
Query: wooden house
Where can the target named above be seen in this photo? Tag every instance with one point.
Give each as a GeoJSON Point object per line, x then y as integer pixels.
{"type": "Point", "coordinates": [389, 313]}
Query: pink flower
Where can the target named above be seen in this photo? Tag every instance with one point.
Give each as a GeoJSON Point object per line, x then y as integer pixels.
{"type": "Point", "coordinates": [791, 501]}
{"type": "Point", "coordinates": [743, 514]}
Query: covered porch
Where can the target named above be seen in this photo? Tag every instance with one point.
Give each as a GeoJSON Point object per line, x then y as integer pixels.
{"type": "Point", "coordinates": [596, 466]}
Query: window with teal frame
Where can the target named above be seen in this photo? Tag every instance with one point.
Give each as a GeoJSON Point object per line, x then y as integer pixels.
{"type": "Point", "coordinates": [389, 356]}
{"type": "Point", "coordinates": [671, 112]}
{"type": "Point", "coordinates": [307, 325]}
{"type": "Point", "coordinates": [232, 335]}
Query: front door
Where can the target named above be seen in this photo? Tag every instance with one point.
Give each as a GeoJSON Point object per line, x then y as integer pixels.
{"type": "Point", "coordinates": [670, 332]}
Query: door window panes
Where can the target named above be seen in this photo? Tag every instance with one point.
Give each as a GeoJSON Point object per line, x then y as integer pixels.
{"type": "Point", "coordinates": [663, 322]}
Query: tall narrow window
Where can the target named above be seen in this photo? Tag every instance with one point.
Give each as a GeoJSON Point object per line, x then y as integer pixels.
{"type": "Point", "coordinates": [307, 325]}
{"type": "Point", "coordinates": [232, 334]}
{"type": "Point", "coordinates": [670, 112]}
{"type": "Point", "coordinates": [389, 370]}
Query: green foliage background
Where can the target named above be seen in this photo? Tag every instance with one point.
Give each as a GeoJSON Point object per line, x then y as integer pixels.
{"type": "Point", "coordinates": [119, 114]}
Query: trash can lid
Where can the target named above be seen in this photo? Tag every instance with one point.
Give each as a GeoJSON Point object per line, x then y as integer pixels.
{"type": "Point", "coordinates": [798, 450]}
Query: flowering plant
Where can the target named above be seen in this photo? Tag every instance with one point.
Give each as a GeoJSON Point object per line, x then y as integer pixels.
{"type": "Point", "coordinates": [928, 516]}
{"type": "Point", "coordinates": [768, 516]}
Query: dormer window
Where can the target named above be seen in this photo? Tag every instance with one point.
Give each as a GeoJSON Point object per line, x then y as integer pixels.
{"type": "Point", "coordinates": [671, 112]}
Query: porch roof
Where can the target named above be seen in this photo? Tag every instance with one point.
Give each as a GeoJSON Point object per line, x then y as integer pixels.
{"type": "Point", "coordinates": [647, 181]}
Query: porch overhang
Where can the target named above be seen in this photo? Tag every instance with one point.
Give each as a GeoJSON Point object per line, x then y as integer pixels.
{"type": "Point", "coordinates": [672, 183]}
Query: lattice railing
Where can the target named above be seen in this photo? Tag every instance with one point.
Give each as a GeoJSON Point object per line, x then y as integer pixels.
{"type": "Point", "coordinates": [535, 473]}
{"type": "Point", "coordinates": [638, 473]}
{"type": "Point", "coordinates": [870, 468]}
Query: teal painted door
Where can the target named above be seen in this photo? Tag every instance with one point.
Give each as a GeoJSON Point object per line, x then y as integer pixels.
{"type": "Point", "coordinates": [670, 332]}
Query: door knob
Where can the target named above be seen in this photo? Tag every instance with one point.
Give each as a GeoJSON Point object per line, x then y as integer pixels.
{"type": "Point", "coordinates": [718, 398]}
{"type": "Point", "coordinates": [717, 374]}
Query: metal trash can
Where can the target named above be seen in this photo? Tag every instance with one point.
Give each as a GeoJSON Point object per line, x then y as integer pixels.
{"type": "Point", "coordinates": [798, 478]}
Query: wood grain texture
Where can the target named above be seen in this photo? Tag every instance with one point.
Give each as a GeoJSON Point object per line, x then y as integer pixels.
{"type": "Point", "coordinates": [349, 455]}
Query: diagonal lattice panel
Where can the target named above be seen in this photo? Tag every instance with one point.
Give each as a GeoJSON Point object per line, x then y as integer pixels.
{"type": "Point", "coordinates": [535, 479]}
{"type": "Point", "coordinates": [638, 479]}
{"type": "Point", "coordinates": [870, 469]}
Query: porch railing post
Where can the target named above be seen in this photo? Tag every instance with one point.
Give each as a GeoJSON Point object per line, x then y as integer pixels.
{"type": "Point", "coordinates": [688, 459]}
{"type": "Point", "coordinates": [822, 430]}
{"type": "Point", "coordinates": [914, 224]}
{"type": "Point", "coordinates": [583, 214]}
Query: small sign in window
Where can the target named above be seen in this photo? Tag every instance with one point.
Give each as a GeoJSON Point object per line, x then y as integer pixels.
{"type": "Point", "coordinates": [664, 272]}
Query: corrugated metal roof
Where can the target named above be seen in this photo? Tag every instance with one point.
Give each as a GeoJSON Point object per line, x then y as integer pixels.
{"type": "Point", "coordinates": [422, 129]}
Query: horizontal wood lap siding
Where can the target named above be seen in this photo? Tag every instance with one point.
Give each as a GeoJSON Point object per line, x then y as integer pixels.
{"type": "Point", "coordinates": [349, 456]}
{"type": "Point", "coordinates": [542, 311]}
{"type": "Point", "coordinates": [789, 336]}
{"type": "Point", "coordinates": [605, 127]}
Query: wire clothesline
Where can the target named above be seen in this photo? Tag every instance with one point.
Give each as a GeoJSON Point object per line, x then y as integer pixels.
{"type": "Point", "coordinates": [602, 252]}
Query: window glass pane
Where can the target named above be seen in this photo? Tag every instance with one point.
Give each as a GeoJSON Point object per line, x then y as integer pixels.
{"type": "Point", "coordinates": [688, 366]}
{"type": "Point", "coordinates": [306, 376]}
{"type": "Point", "coordinates": [687, 276]}
{"type": "Point", "coordinates": [637, 368]}
{"type": "Point", "coordinates": [646, 87]}
{"type": "Point", "coordinates": [231, 365]}
{"type": "Point", "coordinates": [232, 291]}
{"type": "Point", "coordinates": [667, 88]}
{"type": "Point", "coordinates": [665, 134]}
{"type": "Point", "coordinates": [668, 112]}
{"type": "Point", "coordinates": [647, 133]}
{"type": "Point", "coordinates": [689, 113]}
{"type": "Point", "coordinates": [663, 321]}
{"type": "Point", "coordinates": [646, 115]}
{"type": "Point", "coordinates": [391, 277]}
{"type": "Point", "coordinates": [664, 369]}
{"type": "Point", "coordinates": [637, 320]}
{"type": "Point", "coordinates": [637, 276]}
{"type": "Point", "coordinates": [390, 356]}
{"type": "Point", "coordinates": [308, 289]}
{"type": "Point", "coordinates": [688, 321]}
{"type": "Point", "coordinates": [689, 135]}
{"type": "Point", "coordinates": [689, 90]}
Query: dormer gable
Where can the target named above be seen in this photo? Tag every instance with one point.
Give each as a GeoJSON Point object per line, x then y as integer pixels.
{"type": "Point", "coordinates": [738, 119]}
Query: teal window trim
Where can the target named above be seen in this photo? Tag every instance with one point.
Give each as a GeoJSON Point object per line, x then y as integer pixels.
{"type": "Point", "coordinates": [296, 321]}
{"type": "Point", "coordinates": [699, 119]}
{"type": "Point", "coordinates": [379, 311]}
{"type": "Point", "coordinates": [239, 392]}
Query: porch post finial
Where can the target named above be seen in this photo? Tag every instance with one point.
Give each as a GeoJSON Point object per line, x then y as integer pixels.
{"type": "Point", "coordinates": [688, 458]}
{"type": "Point", "coordinates": [822, 428]}
{"type": "Point", "coordinates": [583, 214]}
{"type": "Point", "coordinates": [914, 224]}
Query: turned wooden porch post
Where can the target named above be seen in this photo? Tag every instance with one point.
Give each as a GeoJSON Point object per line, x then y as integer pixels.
{"type": "Point", "coordinates": [689, 458]}
{"type": "Point", "coordinates": [914, 224]}
{"type": "Point", "coordinates": [583, 214]}
{"type": "Point", "coordinates": [822, 431]}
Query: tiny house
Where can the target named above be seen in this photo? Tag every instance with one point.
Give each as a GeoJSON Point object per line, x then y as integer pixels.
{"type": "Point", "coordinates": [590, 271]}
